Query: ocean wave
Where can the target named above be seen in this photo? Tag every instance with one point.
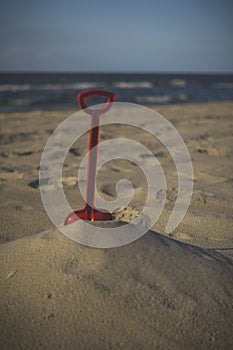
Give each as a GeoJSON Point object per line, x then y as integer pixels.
{"type": "Point", "coordinates": [178, 83]}
{"type": "Point", "coordinates": [133, 85]}
{"type": "Point", "coordinates": [15, 87]}
{"type": "Point", "coordinates": [21, 102]}
{"type": "Point", "coordinates": [224, 85]}
{"type": "Point", "coordinates": [46, 87]}
{"type": "Point", "coordinates": [162, 99]}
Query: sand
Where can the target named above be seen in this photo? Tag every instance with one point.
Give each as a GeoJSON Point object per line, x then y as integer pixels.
{"type": "Point", "coordinates": [161, 292]}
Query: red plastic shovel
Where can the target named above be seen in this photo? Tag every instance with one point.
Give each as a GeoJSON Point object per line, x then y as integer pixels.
{"type": "Point", "coordinates": [89, 212]}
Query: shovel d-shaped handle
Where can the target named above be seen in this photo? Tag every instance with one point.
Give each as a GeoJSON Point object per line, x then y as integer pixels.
{"type": "Point", "coordinates": [84, 95]}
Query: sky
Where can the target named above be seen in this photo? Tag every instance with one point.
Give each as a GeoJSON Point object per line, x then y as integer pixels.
{"type": "Point", "coordinates": [116, 36]}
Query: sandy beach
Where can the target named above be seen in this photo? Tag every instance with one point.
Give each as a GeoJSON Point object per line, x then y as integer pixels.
{"type": "Point", "coordinates": [163, 291]}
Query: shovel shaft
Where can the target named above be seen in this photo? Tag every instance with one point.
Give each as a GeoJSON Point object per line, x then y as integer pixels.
{"type": "Point", "coordinates": [92, 162]}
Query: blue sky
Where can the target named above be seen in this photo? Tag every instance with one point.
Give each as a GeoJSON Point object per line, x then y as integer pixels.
{"type": "Point", "coordinates": [117, 36]}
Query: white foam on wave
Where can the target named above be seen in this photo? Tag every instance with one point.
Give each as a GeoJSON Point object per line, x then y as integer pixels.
{"type": "Point", "coordinates": [15, 87]}
{"type": "Point", "coordinates": [178, 83]}
{"type": "Point", "coordinates": [153, 99]}
{"type": "Point", "coordinates": [134, 85]}
{"type": "Point", "coordinates": [161, 99]}
{"type": "Point", "coordinates": [30, 87]}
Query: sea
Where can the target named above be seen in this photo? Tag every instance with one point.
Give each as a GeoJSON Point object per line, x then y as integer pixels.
{"type": "Point", "coordinates": [48, 91]}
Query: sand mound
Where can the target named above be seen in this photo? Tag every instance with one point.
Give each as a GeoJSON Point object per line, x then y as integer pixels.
{"type": "Point", "coordinates": [156, 293]}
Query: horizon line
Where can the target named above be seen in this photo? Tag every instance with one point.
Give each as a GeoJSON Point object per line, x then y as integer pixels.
{"type": "Point", "coordinates": [116, 72]}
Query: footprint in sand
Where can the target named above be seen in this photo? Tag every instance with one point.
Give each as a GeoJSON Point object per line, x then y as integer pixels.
{"type": "Point", "coordinates": [70, 181]}
{"type": "Point", "coordinates": [6, 154]}
{"type": "Point", "coordinates": [67, 181]}
{"type": "Point", "coordinates": [23, 153]}
{"type": "Point", "coordinates": [34, 183]}
{"type": "Point", "coordinates": [211, 179]}
{"type": "Point", "coordinates": [22, 136]}
{"type": "Point", "coordinates": [209, 150]}
{"type": "Point", "coordinates": [198, 197]}
{"type": "Point", "coordinates": [44, 183]}
{"type": "Point", "coordinates": [75, 151]}
{"type": "Point", "coordinates": [10, 174]}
